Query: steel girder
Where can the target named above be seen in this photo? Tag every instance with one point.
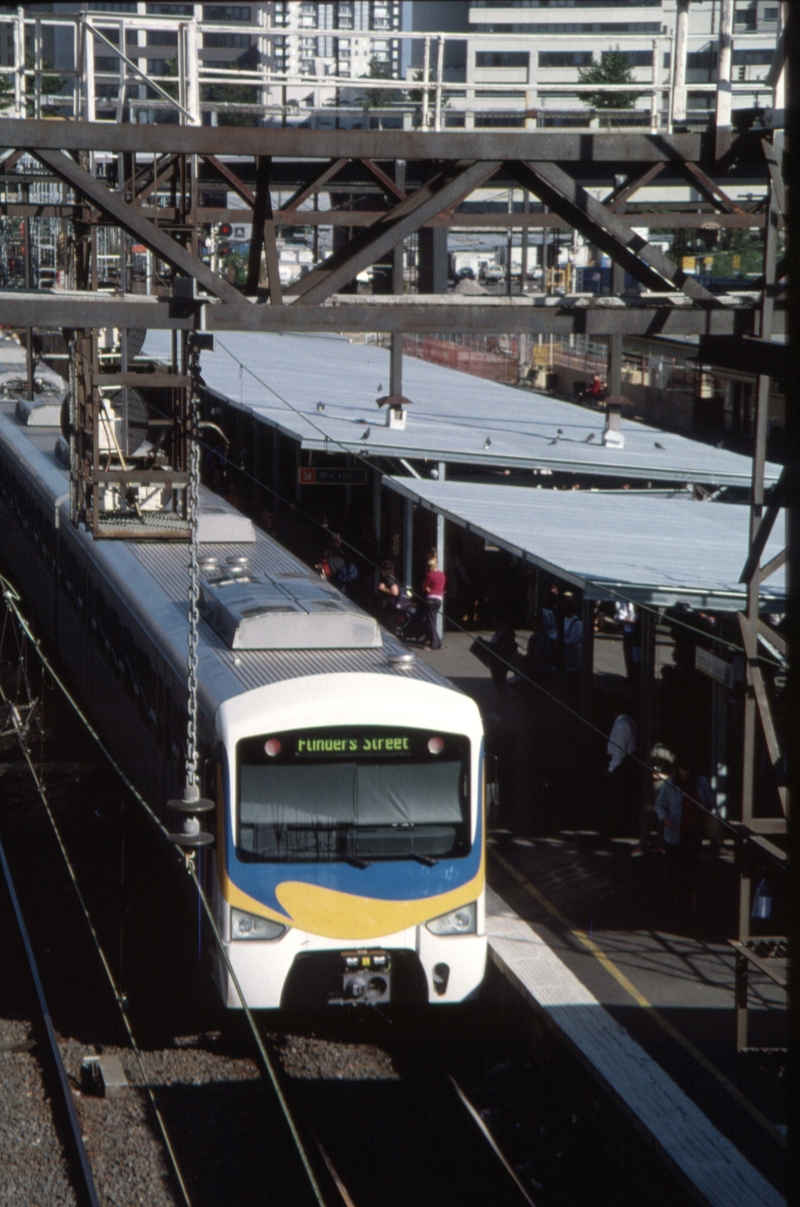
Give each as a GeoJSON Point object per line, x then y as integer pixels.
{"type": "Point", "coordinates": [585, 146]}
{"type": "Point", "coordinates": [405, 313]}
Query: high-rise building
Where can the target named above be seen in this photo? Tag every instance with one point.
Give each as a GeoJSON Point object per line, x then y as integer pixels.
{"type": "Point", "coordinates": [522, 55]}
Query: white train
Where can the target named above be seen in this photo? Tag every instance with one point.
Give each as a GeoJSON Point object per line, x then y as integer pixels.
{"type": "Point", "coordinates": [349, 857]}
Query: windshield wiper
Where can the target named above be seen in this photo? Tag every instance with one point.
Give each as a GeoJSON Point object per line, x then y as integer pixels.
{"type": "Point", "coordinates": [425, 860]}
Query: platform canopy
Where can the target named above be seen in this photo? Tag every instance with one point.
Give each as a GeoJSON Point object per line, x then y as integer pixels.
{"type": "Point", "coordinates": [321, 391]}
{"type": "Point", "coordinates": [614, 545]}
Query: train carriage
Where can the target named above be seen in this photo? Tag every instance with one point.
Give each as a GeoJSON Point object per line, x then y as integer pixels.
{"type": "Point", "coordinates": [349, 855]}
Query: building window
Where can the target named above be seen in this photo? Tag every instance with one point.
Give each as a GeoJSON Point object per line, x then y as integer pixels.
{"type": "Point", "coordinates": [162, 37]}
{"type": "Point", "coordinates": [502, 58]}
{"type": "Point", "coordinates": [565, 58]}
{"type": "Point", "coordinates": [633, 58]}
{"type": "Point", "coordinates": [572, 27]}
{"type": "Point", "coordinates": [170, 10]}
{"type": "Point", "coordinates": [225, 12]}
{"type": "Point", "coordinates": [226, 41]}
{"type": "Point", "coordinates": [753, 58]}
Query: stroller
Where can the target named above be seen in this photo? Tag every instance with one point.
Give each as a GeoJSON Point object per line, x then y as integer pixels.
{"type": "Point", "coordinates": [407, 620]}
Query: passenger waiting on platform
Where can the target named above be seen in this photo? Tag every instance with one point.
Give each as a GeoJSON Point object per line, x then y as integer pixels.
{"type": "Point", "coordinates": [573, 635]}
{"type": "Point", "coordinates": [622, 792]}
{"type": "Point", "coordinates": [539, 658]}
{"type": "Point", "coordinates": [597, 390]}
{"type": "Point", "coordinates": [433, 588]}
{"type": "Point", "coordinates": [388, 596]}
{"type": "Point", "coordinates": [682, 804]}
{"type": "Point", "coordinates": [498, 654]}
{"type": "Point", "coordinates": [628, 619]}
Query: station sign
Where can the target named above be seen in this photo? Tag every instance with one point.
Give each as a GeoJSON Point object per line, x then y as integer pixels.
{"type": "Point", "coordinates": [308, 475]}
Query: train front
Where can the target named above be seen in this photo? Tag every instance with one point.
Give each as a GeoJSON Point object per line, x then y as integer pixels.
{"type": "Point", "coordinates": [350, 852]}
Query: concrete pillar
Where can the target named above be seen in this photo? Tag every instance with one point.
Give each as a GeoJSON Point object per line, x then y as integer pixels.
{"type": "Point", "coordinates": [724, 61]}
{"type": "Point", "coordinates": [432, 270]}
{"type": "Point", "coordinates": [408, 541]}
{"type": "Point", "coordinates": [679, 63]}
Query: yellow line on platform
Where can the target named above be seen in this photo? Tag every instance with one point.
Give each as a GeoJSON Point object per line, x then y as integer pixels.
{"type": "Point", "coordinates": [606, 962]}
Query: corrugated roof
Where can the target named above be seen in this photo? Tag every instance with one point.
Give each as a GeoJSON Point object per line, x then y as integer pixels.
{"type": "Point", "coordinates": [452, 416]}
{"type": "Point", "coordinates": [613, 545]}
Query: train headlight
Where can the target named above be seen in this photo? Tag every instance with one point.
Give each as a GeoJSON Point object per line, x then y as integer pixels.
{"type": "Point", "coordinates": [461, 921]}
{"type": "Point", "coordinates": [250, 926]}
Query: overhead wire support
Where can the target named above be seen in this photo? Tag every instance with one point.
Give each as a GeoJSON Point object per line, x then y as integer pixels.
{"type": "Point", "coordinates": [192, 804]}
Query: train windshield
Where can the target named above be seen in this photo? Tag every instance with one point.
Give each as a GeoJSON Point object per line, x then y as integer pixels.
{"type": "Point", "coordinates": [353, 794]}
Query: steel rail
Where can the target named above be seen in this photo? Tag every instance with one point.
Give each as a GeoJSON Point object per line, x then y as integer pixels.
{"type": "Point", "coordinates": [12, 600]}
{"type": "Point", "coordinates": [74, 1127]}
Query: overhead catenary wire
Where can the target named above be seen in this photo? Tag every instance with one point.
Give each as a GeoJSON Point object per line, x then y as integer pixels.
{"type": "Point", "coordinates": [12, 601]}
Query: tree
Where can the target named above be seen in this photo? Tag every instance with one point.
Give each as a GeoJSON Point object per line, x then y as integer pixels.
{"type": "Point", "coordinates": [613, 68]}
{"type": "Point", "coordinates": [378, 98]}
{"type": "Point", "coordinates": [52, 83]}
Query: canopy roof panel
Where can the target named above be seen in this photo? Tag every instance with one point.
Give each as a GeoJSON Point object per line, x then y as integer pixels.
{"type": "Point", "coordinates": [454, 417]}
{"type": "Point", "coordinates": [614, 545]}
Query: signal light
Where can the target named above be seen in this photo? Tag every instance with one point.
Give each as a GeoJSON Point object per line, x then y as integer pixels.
{"type": "Point", "coordinates": [225, 230]}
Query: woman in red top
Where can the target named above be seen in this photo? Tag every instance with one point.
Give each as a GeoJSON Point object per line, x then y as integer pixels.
{"type": "Point", "coordinates": [433, 589]}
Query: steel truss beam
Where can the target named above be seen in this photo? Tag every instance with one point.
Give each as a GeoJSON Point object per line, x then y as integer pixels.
{"type": "Point", "coordinates": [606, 229]}
{"type": "Point", "coordinates": [406, 313]}
{"type": "Point", "coordinates": [608, 147]}
{"type": "Point", "coordinates": [131, 220]}
{"type": "Point", "coordinates": [262, 234]}
{"type": "Point", "coordinates": [447, 187]}
{"type": "Point", "coordinates": [473, 220]}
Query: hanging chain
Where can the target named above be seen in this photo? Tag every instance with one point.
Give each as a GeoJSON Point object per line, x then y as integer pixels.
{"type": "Point", "coordinates": [194, 568]}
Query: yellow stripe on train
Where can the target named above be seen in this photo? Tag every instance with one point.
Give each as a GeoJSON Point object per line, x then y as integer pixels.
{"type": "Point", "coordinates": [336, 915]}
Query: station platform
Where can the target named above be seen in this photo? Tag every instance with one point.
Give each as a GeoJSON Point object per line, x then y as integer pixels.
{"type": "Point", "coordinates": [641, 991]}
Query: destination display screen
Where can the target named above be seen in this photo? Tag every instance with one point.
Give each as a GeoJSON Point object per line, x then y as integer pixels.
{"type": "Point", "coordinates": [353, 793]}
{"type": "Point", "coordinates": [380, 744]}
{"type": "Point", "coordinates": [353, 742]}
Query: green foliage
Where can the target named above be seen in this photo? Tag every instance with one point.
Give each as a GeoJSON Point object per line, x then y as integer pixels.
{"type": "Point", "coordinates": [221, 94]}
{"type": "Point", "coordinates": [52, 83]}
{"type": "Point", "coordinates": [612, 68]}
{"type": "Point", "coordinates": [378, 98]}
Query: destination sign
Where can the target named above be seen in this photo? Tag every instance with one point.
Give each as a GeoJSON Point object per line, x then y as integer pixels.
{"type": "Point", "coordinates": [312, 475]}
{"type": "Point", "coordinates": [374, 744]}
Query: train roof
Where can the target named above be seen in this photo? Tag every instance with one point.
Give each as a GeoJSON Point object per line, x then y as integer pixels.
{"type": "Point", "coordinates": [151, 577]}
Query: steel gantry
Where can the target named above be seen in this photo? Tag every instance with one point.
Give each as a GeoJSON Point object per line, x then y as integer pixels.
{"type": "Point", "coordinates": [153, 186]}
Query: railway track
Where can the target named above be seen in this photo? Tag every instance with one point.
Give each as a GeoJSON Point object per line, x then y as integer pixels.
{"type": "Point", "coordinates": [442, 1106]}
{"type": "Point", "coordinates": [66, 1158]}
{"type": "Point", "coordinates": [386, 1122]}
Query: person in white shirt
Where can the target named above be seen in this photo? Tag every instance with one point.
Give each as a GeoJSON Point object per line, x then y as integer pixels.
{"type": "Point", "coordinates": [622, 795]}
{"type": "Point", "coordinates": [573, 636]}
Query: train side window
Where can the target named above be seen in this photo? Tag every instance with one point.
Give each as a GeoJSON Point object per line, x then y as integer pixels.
{"type": "Point", "coordinates": [114, 642]}
{"type": "Point", "coordinates": [99, 616]}
{"type": "Point", "coordinates": [129, 662]}
{"type": "Point", "coordinates": [179, 723]}
{"type": "Point", "coordinates": [167, 720]}
{"type": "Point", "coordinates": [147, 704]}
